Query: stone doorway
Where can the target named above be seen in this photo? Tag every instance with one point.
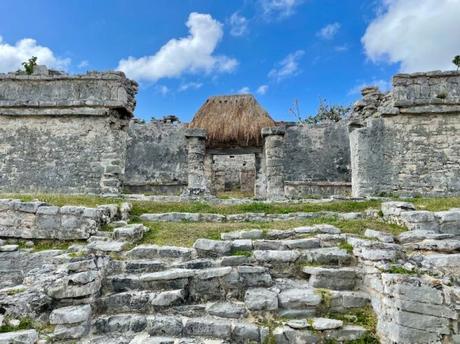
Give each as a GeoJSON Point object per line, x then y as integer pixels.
{"type": "Point", "coordinates": [232, 171]}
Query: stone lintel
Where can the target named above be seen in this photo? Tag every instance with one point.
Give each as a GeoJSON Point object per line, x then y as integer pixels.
{"type": "Point", "coordinates": [196, 132]}
{"type": "Point", "coordinates": [273, 131]}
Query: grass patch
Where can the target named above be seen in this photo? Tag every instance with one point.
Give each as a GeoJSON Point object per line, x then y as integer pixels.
{"type": "Point", "coordinates": [234, 194]}
{"type": "Point", "coordinates": [142, 207]}
{"type": "Point", "coordinates": [346, 246]}
{"type": "Point", "coordinates": [26, 323]}
{"type": "Point", "coordinates": [61, 199]}
{"type": "Point", "coordinates": [436, 204]}
{"type": "Point", "coordinates": [186, 233]}
{"type": "Point", "coordinates": [397, 269]}
{"type": "Point", "coordinates": [43, 245]}
{"type": "Point", "coordinates": [364, 317]}
{"type": "Point", "coordinates": [242, 253]}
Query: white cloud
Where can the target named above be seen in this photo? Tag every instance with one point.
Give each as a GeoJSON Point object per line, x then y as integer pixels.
{"type": "Point", "coordinates": [191, 54]}
{"type": "Point", "coordinates": [190, 86]}
{"type": "Point", "coordinates": [289, 66]}
{"type": "Point", "coordinates": [262, 89]}
{"type": "Point", "coordinates": [383, 85]}
{"type": "Point", "coordinates": [420, 35]}
{"type": "Point", "coordinates": [329, 31]}
{"type": "Point", "coordinates": [244, 90]}
{"type": "Point", "coordinates": [279, 8]}
{"type": "Point", "coordinates": [12, 56]}
{"type": "Point", "coordinates": [238, 25]}
{"type": "Point", "coordinates": [83, 64]}
{"type": "Point", "coordinates": [162, 89]}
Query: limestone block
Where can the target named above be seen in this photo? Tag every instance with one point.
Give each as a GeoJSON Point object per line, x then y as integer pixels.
{"type": "Point", "coordinates": [70, 315]}
{"type": "Point", "coordinates": [261, 299]}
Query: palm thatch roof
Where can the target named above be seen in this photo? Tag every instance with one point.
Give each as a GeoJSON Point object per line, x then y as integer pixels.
{"type": "Point", "coordinates": [234, 120]}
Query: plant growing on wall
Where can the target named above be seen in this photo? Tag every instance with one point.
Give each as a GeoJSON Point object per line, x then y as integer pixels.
{"type": "Point", "coordinates": [325, 113]}
{"type": "Point", "coordinates": [30, 64]}
{"type": "Point", "coordinates": [456, 61]}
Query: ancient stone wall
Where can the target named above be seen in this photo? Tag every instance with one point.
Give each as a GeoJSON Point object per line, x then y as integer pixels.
{"type": "Point", "coordinates": [38, 220]}
{"type": "Point", "coordinates": [407, 142]}
{"type": "Point", "coordinates": [317, 153]}
{"type": "Point", "coordinates": [156, 158]}
{"type": "Point", "coordinates": [61, 133]}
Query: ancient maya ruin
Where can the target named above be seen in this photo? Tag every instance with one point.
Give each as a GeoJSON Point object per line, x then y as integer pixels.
{"type": "Point", "coordinates": [115, 231]}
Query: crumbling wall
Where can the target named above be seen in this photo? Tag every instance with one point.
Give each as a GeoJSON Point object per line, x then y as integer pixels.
{"type": "Point", "coordinates": [407, 142]}
{"type": "Point", "coordinates": [156, 157]}
{"type": "Point", "coordinates": [64, 134]}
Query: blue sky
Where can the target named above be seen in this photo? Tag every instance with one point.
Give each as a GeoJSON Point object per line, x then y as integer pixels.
{"type": "Point", "coordinates": [279, 50]}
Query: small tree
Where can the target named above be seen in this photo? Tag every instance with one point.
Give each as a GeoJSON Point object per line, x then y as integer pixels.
{"type": "Point", "coordinates": [30, 64]}
{"type": "Point", "coordinates": [325, 113]}
{"type": "Point", "coordinates": [456, 61]}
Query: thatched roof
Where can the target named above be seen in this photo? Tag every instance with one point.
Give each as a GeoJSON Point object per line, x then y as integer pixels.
{"type": "Point", "coordinates": [234, 120]}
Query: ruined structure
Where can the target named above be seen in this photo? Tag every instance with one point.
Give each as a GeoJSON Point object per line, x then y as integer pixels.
{"type": "Point", "coordinates": [407, 142]}
{"type": "Point", "coordinates": [313, 283]}
{"type": "Point", "coordinates": [312, 160]}
{"type": "Point", "coordinates": [64, 134]}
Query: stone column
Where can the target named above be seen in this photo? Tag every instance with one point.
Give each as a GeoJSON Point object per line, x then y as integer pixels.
{"type": "Point", "coordinates": [274, 164]}
{"type": "Point", "coordinates": [196, 153]}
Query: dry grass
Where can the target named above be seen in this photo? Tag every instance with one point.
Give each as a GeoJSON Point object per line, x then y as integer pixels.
{"type": "Point", "coordinates": [232, 120]}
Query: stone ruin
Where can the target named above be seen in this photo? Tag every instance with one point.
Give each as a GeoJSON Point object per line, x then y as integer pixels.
{"type": "Point", "coordinates": [306, 284]}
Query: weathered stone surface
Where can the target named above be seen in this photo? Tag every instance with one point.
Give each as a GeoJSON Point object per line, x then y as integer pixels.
{"type": "Point", "coordinates": [207, 247]}
{"type": "Point", "coordinates": [36, 220]}
{"type": "Point", "coordinates": [70, 315]}
{"type": "Point", "coordinates": [107, 246]}
{"type": "Point", "coordinates": [261, 299]}
{"type": "Point", "coordinates": [322, 324]}
{"type": "Point", "coordinates": [133, 232]}
{"type": "Point", "coordinates": [248, 234]}
{"type": "Point", "coordinates": [331, 278]}
{"type": "Point", "coordinates": [381, 236]}
{"type": "Point", "coordinates": [227, 310]}
{"type": "Point", "coordinates": [207, 327]}
{"type": "Point", "coordinates": [276, 256]}
{"type": "Point", "coordinates": [22, 337]}
{"type": "Point", "coordinates": [299, 298]}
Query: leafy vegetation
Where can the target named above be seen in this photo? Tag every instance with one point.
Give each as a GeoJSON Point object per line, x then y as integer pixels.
{"type": "Point", "coordinates": [326, 113]}
{"type": "Point", "coordinates": [30, 64]}
{"type": "Point", "coordinates": [26, 323]}
{"type": "Point", "coordinates": [456, 61]}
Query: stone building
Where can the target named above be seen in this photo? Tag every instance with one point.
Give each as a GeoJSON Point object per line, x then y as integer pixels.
{"type": "Point", "coordinates": [407, 142]}
{"type": "Point", "coordinates": [62, 133]}
{"type": "Point", "coordinates": [75, 134]}
{"type": "Point", "coordinates": [314, 160]}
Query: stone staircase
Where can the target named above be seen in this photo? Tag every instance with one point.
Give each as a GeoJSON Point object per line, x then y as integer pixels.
{"type": "Point", "coordinates": [249, 287]}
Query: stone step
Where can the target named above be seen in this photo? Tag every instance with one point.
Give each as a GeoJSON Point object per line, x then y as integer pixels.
{"type": "Point", "coordinates": [161, 328]}
{"type": "Point", "coordinates": [138, 266]}
{"type": "Point", "coordinates": [343, 278]}
{"type": "Point", "coordinates": [160, 325]}
{"type": "Point", "coordinates": [287, 334]}
{"type": "Point", "coordinates": [155, 251]}
{"type": "Point", "coordinates": [139, 301]}
{"type": "Point", "coordinates": [200, 284]}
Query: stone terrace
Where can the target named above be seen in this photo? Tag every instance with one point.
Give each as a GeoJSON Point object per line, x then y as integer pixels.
{"type": "Point", "coordinates": [311, 283]}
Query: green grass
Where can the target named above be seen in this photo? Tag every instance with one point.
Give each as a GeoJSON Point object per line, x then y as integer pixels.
{"type": "Point", "coordinates": [186, 233]}
{"type": "Point", "coordinates": [25, 324]}
{"type": "Point", "coordinates": [346, 246]}
{"type": "Point", "coordinates": [43, 245]}
{"type": "Point", "coordinates": [397, 269]}
{"type": "Point", "coordinates": [142, 207]}
{"type": "Point", "coordinates": [436, 204]}
{"type": "Point", "coordinates": [61, 199]}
